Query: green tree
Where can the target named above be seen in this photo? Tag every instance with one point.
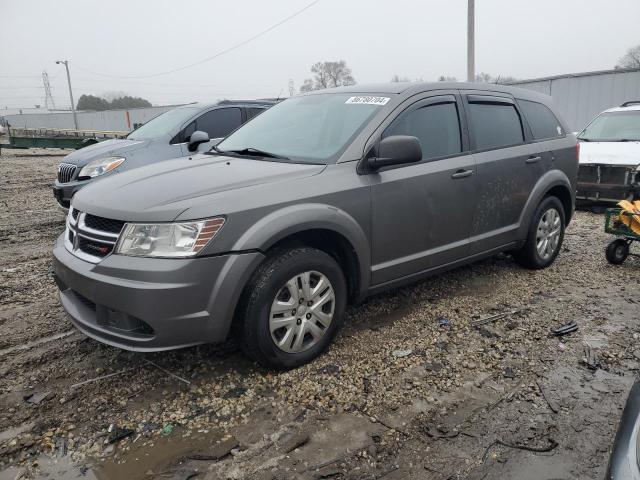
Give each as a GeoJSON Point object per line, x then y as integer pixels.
{"type": "Point", "coordinates": [91, 102]}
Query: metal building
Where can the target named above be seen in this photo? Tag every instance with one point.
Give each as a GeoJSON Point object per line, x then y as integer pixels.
{"type": "Point", "coordinates": [123, 120]}
{"type": "Point", "coordinates": [581, 96]}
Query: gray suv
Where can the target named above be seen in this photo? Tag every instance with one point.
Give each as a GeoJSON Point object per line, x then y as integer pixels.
{"type": "Point", "coordinates": [320, 201]}
{"type": "Point", "coordinates": [176, 133]}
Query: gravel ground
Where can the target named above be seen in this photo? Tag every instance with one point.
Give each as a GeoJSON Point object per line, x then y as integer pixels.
{"type": "Point", "coordinates": [410, 388]}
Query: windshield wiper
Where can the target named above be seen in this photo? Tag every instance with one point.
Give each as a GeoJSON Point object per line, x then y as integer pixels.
{"type": "Point", "coordinates": [255, 152]}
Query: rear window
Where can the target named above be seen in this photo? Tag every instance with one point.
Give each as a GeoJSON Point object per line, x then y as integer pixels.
{"type": "Point", "coordinates": [542, 121]}
{"type": "Point", "coordinates": [495, 125]}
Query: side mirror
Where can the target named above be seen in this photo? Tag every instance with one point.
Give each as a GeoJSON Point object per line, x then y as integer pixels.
{"type": "Point", "coordinates": [396, 150]}
{"type": "Point", "coordinates": [196, 139]}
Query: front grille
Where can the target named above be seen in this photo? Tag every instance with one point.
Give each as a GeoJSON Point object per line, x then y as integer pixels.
{"type": "Point", "coordinates": [65, 172]}
{"type": "Point", "coordinates": [97, 249]}
{"type": "Point", "coordinates": [90, 237]}
{"type": "Point", "coordinates": [103, 224]}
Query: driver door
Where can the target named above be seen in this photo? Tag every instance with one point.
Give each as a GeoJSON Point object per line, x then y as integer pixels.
{"type": "Point", "coordinates": [422, 212]}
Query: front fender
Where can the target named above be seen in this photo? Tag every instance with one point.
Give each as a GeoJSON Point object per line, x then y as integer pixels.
{"type": "Point", "coordinates": [549, 180]}
{"type": "Point", "coordinates": [293, 219]}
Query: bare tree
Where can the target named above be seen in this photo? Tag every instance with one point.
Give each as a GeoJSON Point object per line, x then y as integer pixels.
{"type": "Point", "coordinates": [398, 78]}
{"type": "Point", "coordinates": [328, 75]}
{"type": "Point", "coordinates": [443, 78]}
{"type": "Point", "coordinates": [483, 77]}
{"type": "Point", "coordinates": [631, 59]}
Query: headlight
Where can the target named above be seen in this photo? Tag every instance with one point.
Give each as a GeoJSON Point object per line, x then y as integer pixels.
{"type": "Point", "coordinates": [100, 166]}
{"type": "Point", "coordinates": [177, 240]}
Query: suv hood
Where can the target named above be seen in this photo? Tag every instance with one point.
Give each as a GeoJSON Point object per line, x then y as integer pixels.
{"type": "Point", "coordinates": [162, 191]}
{"type": "Point", "coordinates": [108, 148]}
{"type": "Point", "coordinates": [610, 153]}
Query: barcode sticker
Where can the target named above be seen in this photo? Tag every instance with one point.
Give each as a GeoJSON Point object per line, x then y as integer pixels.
{"type": "Point", "coordinates": [369, 100]}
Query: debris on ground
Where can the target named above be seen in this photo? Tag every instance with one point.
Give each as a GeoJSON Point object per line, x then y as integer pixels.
{"type": "Point", "coordinates": [402, 353]}
{"type": "Point", "coordinates": [564, 329]}
{"type": "Point", "coordinates": [117, 433]}
{"type": "Point", "coordinates": [167, 429]}
{"type": "Point", "coordinates": [590, 358]}
{"type": "Point", "coordinates": [444, 322]}
{"type": "Point", "coordinates": [36, 398]}
{"type": "Point", "coordinates": [497, 316]}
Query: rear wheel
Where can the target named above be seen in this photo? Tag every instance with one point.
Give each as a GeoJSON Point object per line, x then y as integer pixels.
{"type": "Point", "coordinates": [293, 307]}
{"type": "Point", "coordinates": [545, 236]}
{"type": "Point", "coordinates": [617, 251]}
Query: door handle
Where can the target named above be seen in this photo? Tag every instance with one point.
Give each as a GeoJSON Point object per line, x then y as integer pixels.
{"type": "Point", "coordinates": [534, 159]}
{"type": "Point", "coordinates": [462, 174]}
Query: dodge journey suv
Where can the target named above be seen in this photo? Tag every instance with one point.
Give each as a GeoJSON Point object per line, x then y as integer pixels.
{"type": "Point", "coordinates": [316, 203]}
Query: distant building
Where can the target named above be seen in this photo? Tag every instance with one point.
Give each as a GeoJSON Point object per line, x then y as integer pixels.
{"type": "Point", "coordinates": [581, 96]}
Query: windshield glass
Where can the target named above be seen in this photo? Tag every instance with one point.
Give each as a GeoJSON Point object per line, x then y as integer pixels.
{"type": "Point", "coordinates": [613, 127]}
{"type": "Point", "coordinates": [163, 124]}
{"type": "Point", "coordinates": [306, 129]}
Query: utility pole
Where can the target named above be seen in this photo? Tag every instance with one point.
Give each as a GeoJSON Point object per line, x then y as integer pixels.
{"type": "Point", "coordinates": [73, 108]}
{"type": "Point", "coordinates": [471, 61]}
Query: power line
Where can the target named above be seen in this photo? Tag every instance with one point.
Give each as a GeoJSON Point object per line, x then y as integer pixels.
{"type": "Point", "coordinates": [208, 59]}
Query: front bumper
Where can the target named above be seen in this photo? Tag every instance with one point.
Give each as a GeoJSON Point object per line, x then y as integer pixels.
{"type": "Point", "coordinates": [151, 304]}
{"type": "Point", "coordinates": [607, 183]}
{"type": "Point", "coordinates": [64, 192]}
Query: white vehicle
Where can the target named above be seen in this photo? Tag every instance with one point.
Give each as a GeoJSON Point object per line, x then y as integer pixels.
{"type": "Point", "coordinates": [610, 156]}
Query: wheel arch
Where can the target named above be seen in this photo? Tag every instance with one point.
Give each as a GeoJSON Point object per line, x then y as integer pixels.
{"type": "Point", "coordinates": [324, 227]}
{"type": "Point", "coordinates": [553, 183]}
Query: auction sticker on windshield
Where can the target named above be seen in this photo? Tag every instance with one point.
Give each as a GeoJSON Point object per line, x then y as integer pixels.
{"type": "Point", "coordinates": [369, 100]}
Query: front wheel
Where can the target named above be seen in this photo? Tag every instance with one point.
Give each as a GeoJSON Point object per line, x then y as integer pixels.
{"type": "Point", "coordinates": [617, 251]}
{"type": "Point", "coordinates": [545, 235]}
{"type": "Point", "coordinates": [293, 307]}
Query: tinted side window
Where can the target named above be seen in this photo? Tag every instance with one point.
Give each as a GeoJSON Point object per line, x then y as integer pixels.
{"type": "Point", "coordinates": [495, 125]}
{"type": "Point", "coordinates": [542, 121]}
{"type": "Point", "coordinates": [253, 111]}
{"type": "Point", "coordinates": [436, 126]}
{"type": "Point", "coordinates": [219, 123]}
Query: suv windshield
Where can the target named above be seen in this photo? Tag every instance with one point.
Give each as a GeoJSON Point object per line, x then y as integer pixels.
{"type": "Point", "coordinates": [163, 124]}
{"type": "Point", "coordinates": [307, 129]}
{"type": "Point", "coordinates": [613, 127]}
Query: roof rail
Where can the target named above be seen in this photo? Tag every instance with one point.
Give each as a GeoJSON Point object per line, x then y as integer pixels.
{"type": "Point", "coordinates": [630, 103]}
{"type": "Point", "coordinates": [247, 102]}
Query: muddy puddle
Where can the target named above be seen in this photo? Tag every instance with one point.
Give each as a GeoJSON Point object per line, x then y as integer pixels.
{"type": "Point", "coordinates": [175, 456]}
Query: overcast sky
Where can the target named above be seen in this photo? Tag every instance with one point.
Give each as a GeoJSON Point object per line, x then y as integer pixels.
{"type": "Point", "coordinates": [419, 39]}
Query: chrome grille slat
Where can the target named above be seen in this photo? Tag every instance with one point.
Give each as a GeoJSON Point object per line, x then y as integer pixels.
{"type": "Point", "coordinates": [65, 172]}
{"type": "Point", "coordinates": [87, 243]}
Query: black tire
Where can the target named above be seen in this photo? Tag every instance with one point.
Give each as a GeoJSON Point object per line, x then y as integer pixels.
{"type": "Point", "coordinates": [269, 279]}
{"type": "Point", "coordinates": [528, 255]}
{"type": "Point", "coordinates": [617, 251]}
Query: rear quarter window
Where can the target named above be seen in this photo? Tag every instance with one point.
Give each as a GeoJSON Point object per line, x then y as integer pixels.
{"type": "Point", "coordinates": [543, 122]}
{"type": "Point", "coordinates": [495, 125]}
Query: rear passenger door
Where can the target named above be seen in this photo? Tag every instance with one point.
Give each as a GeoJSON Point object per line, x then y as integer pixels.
{"type": "Point", "coordinates": [508, 167]}
{"type": "Point", "coordinates": [421, 212]}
